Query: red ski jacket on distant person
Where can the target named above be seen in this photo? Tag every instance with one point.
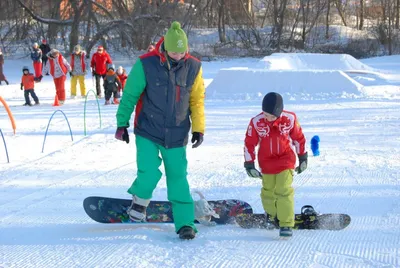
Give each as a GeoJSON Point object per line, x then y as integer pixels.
{"type": "Point", "coordinates": [279, 142]}
{"type": "Point", "coordinates": [99, 62]}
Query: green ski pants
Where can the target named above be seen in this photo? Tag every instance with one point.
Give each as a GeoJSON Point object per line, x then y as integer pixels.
{"type": "Point", "coordinates": [277, 196]}
{"type": "Point", "coordinates": [175, 163]}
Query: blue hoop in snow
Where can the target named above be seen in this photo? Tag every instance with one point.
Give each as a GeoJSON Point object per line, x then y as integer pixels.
{"type": "Point", "coordinates": [45, 134]}
{"type": "Point", "coordinates": [5, 145]}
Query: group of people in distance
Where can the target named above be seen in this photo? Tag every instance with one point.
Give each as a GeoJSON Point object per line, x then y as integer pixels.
{"type": "Point", "coordinates": [52, 62]}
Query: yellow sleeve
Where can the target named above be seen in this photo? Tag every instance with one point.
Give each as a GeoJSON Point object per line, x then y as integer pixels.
{"type": "Point", "coordinates": [197, 103]}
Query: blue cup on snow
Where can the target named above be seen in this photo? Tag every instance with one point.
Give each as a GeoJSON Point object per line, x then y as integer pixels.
{"type": "Point", "coordinates": [315, 145]}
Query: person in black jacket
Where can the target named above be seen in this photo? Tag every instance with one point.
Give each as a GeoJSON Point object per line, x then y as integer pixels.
{"type": "Point", "coordinates": [45, 48]}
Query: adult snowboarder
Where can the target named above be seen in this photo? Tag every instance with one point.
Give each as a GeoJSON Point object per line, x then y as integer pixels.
{"type": "Point", "coordinates": [167, 88]}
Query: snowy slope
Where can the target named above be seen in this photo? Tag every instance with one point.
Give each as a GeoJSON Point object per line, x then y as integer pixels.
{"type": "Point", "coordinates": [42, 222]}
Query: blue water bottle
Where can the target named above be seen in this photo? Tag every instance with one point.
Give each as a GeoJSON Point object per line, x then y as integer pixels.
{"type": "Point", "coordinates": [315, 145]}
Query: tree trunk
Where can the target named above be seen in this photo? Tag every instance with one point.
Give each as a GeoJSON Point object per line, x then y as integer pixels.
{"type": "Point", "coordinates": [397, 14]}
{"type": "Point", "coordinates": [221, 21]}
{"type": "Point", "coordinates": [361, 25]}
{"type": "Point", "coordinates": [52, 29]}
{"type": "Point", "coordinates": [328, 8]}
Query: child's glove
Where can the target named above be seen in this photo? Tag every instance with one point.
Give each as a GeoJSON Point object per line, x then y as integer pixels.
{"type": "Point", "coordinates": [198, 138]}
{"type": "Point", "coordinates": [251, 170]}
{"type": "Point", "coordinates": [122, 134]}
{"type": "Point", "coordinates": [302, 163]}
{"type": "Point", "coordinates": [22, 86]}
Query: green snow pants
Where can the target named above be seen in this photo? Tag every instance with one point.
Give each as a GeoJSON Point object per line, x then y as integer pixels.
{"type": "Point", "coordinates": [277, 196]}
{"type": "Point", "coordinates": [148, 175]}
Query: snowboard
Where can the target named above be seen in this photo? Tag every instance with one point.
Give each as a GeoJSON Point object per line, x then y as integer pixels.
{"type": "Point", "coordinates": [114, 210]}
{"type": "Point", "coordinates": [303, 221]}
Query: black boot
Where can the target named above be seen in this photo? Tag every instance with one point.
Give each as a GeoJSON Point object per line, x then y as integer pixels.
{"type": "Point", "coordinates": [285, 231]}
{"type": "Point", "coordinates": [7, 82]}
{"type": "Point", "coordinates": [186, 233]}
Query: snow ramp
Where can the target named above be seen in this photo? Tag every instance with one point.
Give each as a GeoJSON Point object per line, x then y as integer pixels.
{"type": "Point", "coordinates": [310, 76]}
{"type": "Point", "coordinates": [313, 61]}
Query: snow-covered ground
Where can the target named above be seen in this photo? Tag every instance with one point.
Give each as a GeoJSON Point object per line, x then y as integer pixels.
{"type": "Point", "coordinates": [43, 224]}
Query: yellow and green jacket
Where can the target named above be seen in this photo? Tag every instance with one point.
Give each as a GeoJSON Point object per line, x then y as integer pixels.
{"type": "Point", "coordinates": [169, 99]}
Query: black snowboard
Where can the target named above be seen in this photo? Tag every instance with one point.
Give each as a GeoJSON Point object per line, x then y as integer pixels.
{"type": "Point", "coordinates": [318, 222]}
{"type": "Point", "coordinates": [113, 210]}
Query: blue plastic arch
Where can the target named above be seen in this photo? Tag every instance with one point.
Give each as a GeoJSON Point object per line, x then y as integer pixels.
{"type": "Point", "coordinates": [45, 134]}
{"type": "Point", "coordinates": [5, 145]}
{"type": "Point", "coordinates": [84, 110]}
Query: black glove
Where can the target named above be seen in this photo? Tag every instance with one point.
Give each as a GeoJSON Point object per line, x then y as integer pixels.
{"type": "Point", "coordinates": [251, 170]}
{"type": "Point", "coordinates": [198, 138]}
{"type": "Point", "coordinates": [302, 163]}
{"type": "Point", "coordinates": [122, 134]}
{"type": "Point", "coordinates": [93, 73]}
{"type": "Point", "coordinates": [22, 86]}
{"type": "Point", "coordinates": [70, 74]}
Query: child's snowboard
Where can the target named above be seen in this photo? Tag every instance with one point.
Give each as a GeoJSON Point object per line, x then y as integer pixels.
{"type": "Point", "coordinates": [113, 210]}
{"type": "Point", "coordinates": [307, 219]}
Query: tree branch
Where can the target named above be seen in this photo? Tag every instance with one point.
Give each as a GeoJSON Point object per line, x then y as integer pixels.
{"type": "Point", "coordinates": [44, 20]}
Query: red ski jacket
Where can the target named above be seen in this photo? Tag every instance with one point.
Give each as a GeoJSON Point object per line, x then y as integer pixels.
{"type": "Point", "coordinates": [279, 142]}
{"type": "Point", "coordinates": [99, 62]}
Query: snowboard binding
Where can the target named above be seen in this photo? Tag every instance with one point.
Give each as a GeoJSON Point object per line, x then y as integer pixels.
{"type": "Point", "coordinates": [308, 217]}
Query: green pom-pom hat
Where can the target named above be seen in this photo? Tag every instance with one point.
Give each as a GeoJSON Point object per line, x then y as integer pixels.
{"type": "Point", "coordinates": [175, 40]}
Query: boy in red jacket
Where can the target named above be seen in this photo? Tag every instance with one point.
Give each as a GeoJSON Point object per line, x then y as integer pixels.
{"type": "Point", "coordinates": [28, 83]}
{"type": "Point", "coordinates": [276, 132]}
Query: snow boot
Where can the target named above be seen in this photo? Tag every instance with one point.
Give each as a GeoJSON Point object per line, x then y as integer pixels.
{"type": "Point", "coordinates": [285, 232]}
{"type": "Point", "coordinates": [6, 82]}
{"type": "Point", "coordinates": [186, 233]}
{"type": "Point", "coordinates": [107, 102]}
{"type": "Point", "coordinates": [27, 104]}
{"type": "Point", "coordinates": [137, 210]}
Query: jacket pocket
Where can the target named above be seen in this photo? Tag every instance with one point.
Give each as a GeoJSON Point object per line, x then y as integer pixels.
{"type": "Point", "coordinates": [182, 102]}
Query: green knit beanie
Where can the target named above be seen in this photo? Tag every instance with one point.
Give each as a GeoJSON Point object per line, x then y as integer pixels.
{"type": "Point", "coordinates": [175, 40]}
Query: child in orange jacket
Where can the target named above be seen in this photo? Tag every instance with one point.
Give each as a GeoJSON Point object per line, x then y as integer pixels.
{"type": "Point", "coordinates": [28, 82]}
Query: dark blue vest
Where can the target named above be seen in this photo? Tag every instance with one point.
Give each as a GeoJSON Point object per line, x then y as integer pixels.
{"type": "Point", "coordinates": [164, 116]}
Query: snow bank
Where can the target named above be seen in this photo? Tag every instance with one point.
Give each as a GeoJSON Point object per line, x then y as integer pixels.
{"type": "Point", "coordinates": [235, 82]}
{"type": "Point", "coordinates": [313, 61]}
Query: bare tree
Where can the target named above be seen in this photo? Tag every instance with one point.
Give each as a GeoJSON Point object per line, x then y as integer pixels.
{"type": "Point", "coordinates": [340, 9]}
{"type": "Point", "coordinates": [279, 8]}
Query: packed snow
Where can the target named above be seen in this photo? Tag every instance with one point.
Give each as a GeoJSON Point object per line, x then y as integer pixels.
{"type": "Point", "coordinates": [43, 224]}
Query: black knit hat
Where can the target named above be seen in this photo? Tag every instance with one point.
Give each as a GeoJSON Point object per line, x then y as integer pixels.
{"type": "Point", "coordinates": [273, 104]}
